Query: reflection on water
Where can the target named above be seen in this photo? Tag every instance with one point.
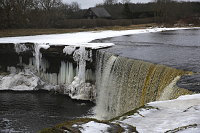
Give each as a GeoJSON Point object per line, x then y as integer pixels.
{"type": "Point", "coordinates": [33, 111]}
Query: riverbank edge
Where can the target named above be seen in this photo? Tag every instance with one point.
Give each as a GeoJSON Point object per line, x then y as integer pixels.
{"type": "Point", "coordinates": [30, 32]}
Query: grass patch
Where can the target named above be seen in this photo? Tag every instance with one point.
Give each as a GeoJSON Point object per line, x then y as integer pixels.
{"type": "Point", "coordinates": [29, 32]}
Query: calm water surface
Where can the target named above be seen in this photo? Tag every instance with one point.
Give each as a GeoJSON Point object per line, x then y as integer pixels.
{"type": "Point", "coordinates": [179, 49]}
{"type": "Point", "coordinates": [33, 111]}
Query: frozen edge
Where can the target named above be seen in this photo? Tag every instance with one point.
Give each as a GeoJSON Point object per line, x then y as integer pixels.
{"type": "Point", "coordinates": [82, 38]}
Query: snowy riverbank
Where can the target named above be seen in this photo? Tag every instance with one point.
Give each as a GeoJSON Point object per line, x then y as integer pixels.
{"type": "Point", "coordinates": [80, 38]}
{"type": "Point", "coordinates": [180, 115]}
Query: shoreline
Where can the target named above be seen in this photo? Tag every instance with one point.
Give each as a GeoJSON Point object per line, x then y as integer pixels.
{"type": "Point", "coordinates": [31, 32]}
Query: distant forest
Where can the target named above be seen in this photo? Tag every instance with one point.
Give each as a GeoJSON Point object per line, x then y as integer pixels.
{"type": "Point", "coordinates": [56, 14]}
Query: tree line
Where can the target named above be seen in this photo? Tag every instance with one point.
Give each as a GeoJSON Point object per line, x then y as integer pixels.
{"type": "Point", "coordinates": [56, 14]}
{"type": "Point", "coordinates": [34, 13]}
{"type": "Point", "coordinates": [163, 11]}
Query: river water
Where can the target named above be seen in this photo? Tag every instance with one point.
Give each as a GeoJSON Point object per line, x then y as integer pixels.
{"type": "Point", "coordinates": [179, 48]}
{"type": "Point", "coordinates": [33, 111]}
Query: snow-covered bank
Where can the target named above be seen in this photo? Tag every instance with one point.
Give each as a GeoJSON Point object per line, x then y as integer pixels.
{"type": "Point", "coordinates": [80, 38]}
{"type": "Point", "coordinates": [165, 116]}
{"type": "Point", "coordinates": [92, 127]}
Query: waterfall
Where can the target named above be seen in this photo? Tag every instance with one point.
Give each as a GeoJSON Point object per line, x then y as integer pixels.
{"type": "Point", "coordinates": [118, 84]}
{"type": "Point", "coordinates": [104, 97]}
{"type": "Point", "coordinates": [125, 84]}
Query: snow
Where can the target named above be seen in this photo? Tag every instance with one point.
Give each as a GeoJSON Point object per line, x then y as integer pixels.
{"type": "Point", "coordinates": [68, 50]}
{"type": "Point", "coordinates": [21, 81]}
{"type": "Point", "coordinates": [191, 130]}
{"type": "Point", "coordinates": [168, 115]}
{"type": "Point", "coordinates": [94, 127]}
{"type": "Point", "coordinates": [80, 38]}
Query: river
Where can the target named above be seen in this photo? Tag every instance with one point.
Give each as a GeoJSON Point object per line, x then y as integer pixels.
{"type": "Point", "coordinates": [33, 111]}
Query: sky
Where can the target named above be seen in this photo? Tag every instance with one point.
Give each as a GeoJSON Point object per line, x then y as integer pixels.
{"type": "Point", "coordinates": [91, 3]}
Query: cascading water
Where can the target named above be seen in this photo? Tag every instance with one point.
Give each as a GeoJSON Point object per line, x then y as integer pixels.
{"type": "Point", "coordinates": [122, 84]}
{"type": "Point", "coordinates": [105, 98]}
{"type": "Point", "coordinates": [125, 84]}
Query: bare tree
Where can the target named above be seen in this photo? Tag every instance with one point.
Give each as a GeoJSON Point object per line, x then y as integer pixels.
{"type": "Point", "coordinates": [48, 4]}
{"type": "Point", "coordinates": [110, 2]}
{"type": "Point", "coordinates": [74, 6]}
{"type": "Point", "coordinates": [126, 1]}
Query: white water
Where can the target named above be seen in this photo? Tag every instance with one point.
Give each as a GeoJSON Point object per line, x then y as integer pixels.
{"type": "Point", "coordinates": [103, 98]}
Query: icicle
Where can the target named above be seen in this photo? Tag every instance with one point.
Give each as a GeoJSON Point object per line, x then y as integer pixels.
{"type": "Point", "coordinates": [19, 48]}
{"type": "Point", "coordinates": [77, 88]}
{"type": "Point", "coordinates": [38, 55]}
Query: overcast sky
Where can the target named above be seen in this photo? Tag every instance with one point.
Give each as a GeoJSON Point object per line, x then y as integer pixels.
{"type": "Point", "coordinates": [90, 3]}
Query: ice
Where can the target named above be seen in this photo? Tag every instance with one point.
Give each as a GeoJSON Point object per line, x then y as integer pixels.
{"type": "Point", "coordinates": [19, 81]}
{"type": "Point", "coordinates": [78, 88]}
{"type": "Point", "coordinates": [38, 55]}
{"type": "Point", "coordinates": [68, 50]}
{"type": "Point", "coordinates": [66, 74]}
{"type": "Point", "coordinates": [20, 48]}
{"type": "Point", "coordinates": [168, 115]}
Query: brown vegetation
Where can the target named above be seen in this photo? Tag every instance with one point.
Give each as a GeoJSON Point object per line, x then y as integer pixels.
{"type": "Point", "coordinates": [28, 32]}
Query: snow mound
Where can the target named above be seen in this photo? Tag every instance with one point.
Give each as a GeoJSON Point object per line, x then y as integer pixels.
{"type": "Point", "coordinates": [22, 81]}
{"type": "Point", "coordinates": [93, 127]}
{"type": "Point", "coordinates": [180, 115]}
